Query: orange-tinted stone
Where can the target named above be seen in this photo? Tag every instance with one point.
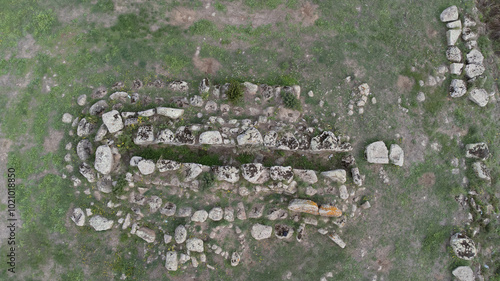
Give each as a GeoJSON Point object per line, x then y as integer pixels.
{"type": "Point", "coordinates": [304, 206]}
{"type": "Point", "coordinates": [328, 210]}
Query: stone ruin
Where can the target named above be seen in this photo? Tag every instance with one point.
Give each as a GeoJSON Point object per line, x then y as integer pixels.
{"type": "Point", "coordinates": [102, 159]}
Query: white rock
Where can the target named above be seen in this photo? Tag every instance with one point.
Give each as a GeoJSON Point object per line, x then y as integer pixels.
{"type": "Point", "coordinates": [336, 238]}
{"type": "Point", "coordinates": [457, 88]}
{"type": "Point", "coordinates": [454, 25]}
{"type": "Point", "coordinates": [481, 170]}
{"type": "Point", "coordinates": [227, 173]}
{"type": "Point", "coordinates": [463, 273]}
{"type": "Point", "coordinates": [456, 68]}
{"type": "Point", "coordinates": [145, 135]}
{"type": "Point", "coordinates": [250, 136]}
{"type": "Point", "coordinates": [479, 96]}
{"type": "Point", "coordinates": [165, 136]}
{"type": "Point", "coordinates": [171, 262]}
{"type": "Point", "coordinates": [343, 192]}
{"type": "Point", "coordinates": [216, 214]}
{"type": "Point", "coordinates": [167, 165]}
{"type": "Point", "coordinates": [67, 118]}
{"type": "Point", "coordinates": [251, 89]}
{"type": "Point", "coordinates": [200, 216]}
{"type": "Point", "coordinates": [180, 234]}
{"type": "Point", "coordinates": [452, 36]}
{"type": "Point", "coordinates": [103, 159]}
{"type": "Point", "coordinates": [307, 176]}
{"type": "Point", "coordinates": [338, 175]}
{"type": "Point", "coordinates": [420, 97]}
{"type": "Point", "coordinates": [475, 57]}
{"type": "Point", "coordinates": [254, 172]}
{"type": "Point", "coordinates": [194, 245]}
{"type": "Point", "coordinates": [454, 54]}
{"type": "Point", "coordinates": [146, 234]}
{"type": "Point", "coordinates": [377, 153]}
{"type": "Point", "coordinates": [147, 113]}
{"type": "Point", "coordinates": [146, 166]}
{"type": "Point", "coordinates": [210, 137]}
{"type": "Point", "coordinates": [396, 155]}
{"type": "Point", "coordinates": [82, 100]}
{"type": "Point", "coordinates": [100, 223]}
{"type": "Point", "coordinates": [172, 113]}
{"type": "Point", "coordinates": [474, 70]}
{"type": "Point", "coordinates": [260, 231]}
{"type": "Point", "coordinates": [449, 14]}
{"type": "Point", "coordinates": [78, 217]}
{"type": "Point", "coordinates": [134, 161]}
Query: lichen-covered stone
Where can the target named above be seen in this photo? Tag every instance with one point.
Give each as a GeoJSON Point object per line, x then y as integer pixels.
{"type": "Point", "coordinates": [304, 206]}
{"type": "Point", "coordinates": [463, 246]}
{"type": "Point", "coordinates": [328, 210]}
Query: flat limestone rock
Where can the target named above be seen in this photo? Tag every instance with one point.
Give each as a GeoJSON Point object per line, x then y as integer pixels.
{"type": "Point", "coordinates": [336, 238]}
{"type": "Point", "coordinates": [113, 121]}
{"type": "Point", "coordinates": [164, 165]}
{"type": "Point", "coordinates": [146, 234]}
{"type": "Point", "coordinates": [452, 36]}
{"type": "Point", "coordinates": [260, 231]}
{"type": "Point", "coordinates": [195, 245]}
{"type": "Point", "coordinates": [377, 153]}
{"type": "Point", "coordinates": [172, 113]}
{"type": "Point", "coordinates": [304, 206]}
{"type": "Point", "coordinates": [463, 273]}
{"type": "Point", "coordinates": [84, 149]}
{"type": "Point", "coordinates": [481, 170]}
{"type": "Point", "coordinates": [251, 136]}
{"type": "Point", "coordinates": [281, 173]}
{"type": "Point", "coordinates": [78, 217]}
{"type": "Point", "coordinates": [457, 88]}
{"type": "Point", "coordinates": [145, 135]}
{"type": "Point", "coordinates": [396, 155]}
{"type": "Point", "coordinates": [146, 166]}
{"type": "Point", "coordinates": [227, 173]}
{"type": "Point", "coordinates": [252, 172]}
{"type": "Point", "coordinates": [100, 223]}
{"type": "Point", "coordinates": [474, 70]}
{"type": "Point", "coordinates": [328, 210]}
{"type": "Point", "coordinates": [165, 136]}
{"type": "Point", "coordinates": [171, 262]}
{"type": "Point", "coordinates": [180, 234]}
{"type": "Point", "coordinates": [211, 137]}
{"type": "Point", "coordinates": [104, 160]}
{"type": "Point", "coordinates": [307, 176]}
{"type": "Point", "coordinates": [339, 175]}
{"type": "Point", "coordinates": [479, 96]}
{"type": "Point", "coordinates": [199, 216]}
{"type": "Point", "coordinates": [449, 14]}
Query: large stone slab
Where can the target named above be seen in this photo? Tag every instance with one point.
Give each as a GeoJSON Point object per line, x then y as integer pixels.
{"type": "Point", "coordinates": [104, 160]}
{"type": "Point", "coordinates": [172, 113]}
{"type": "Point", "coordinates": [113, 121]}
{"type": "Point", "coordinates": [211, 137]}
{"type": "Point", "coordinates": [250, 136]}
{"type": "Point", "coordinates": [377, 153]}
{"type": "Point", "coordinates": [396, 155]}
{"type": "Point", "coordinates": [260, 231]}
{"type": "Point", "coordinates": [449, 14]}
{"type": "Point", "coordinates": [100, 223]}
{"type": "Point", "coordinates": [303, 206]}
{"type": "Point", "coordinates": [146, 234]}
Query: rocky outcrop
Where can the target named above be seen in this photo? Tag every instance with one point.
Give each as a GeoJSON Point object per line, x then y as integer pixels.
{"type": "Point", "coordinates": [463, 246]}
{"type": "Point", "coordinates": [377, 153]}
{"type": "Point", "coordinates": [113, 121]}
{"type": "Point", "coordinates": [104, 160]}
{"type": "Point", "coordinates": [260, 231]}
{"type": "Point", "coordinates": [100, 223]}
{"type": "Point", "coordinates": [251, 136]}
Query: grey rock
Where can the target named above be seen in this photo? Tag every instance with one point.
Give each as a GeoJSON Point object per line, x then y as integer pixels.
{"type": "Point", "coordinates": [479, 96]}
{"type": "Point", "coordinates": [475, 57]}
{"type": "Point", "coordinates": [468, 34]}
{"type": "Point", "coordinates": [145, 135]}
{"type": "Point", "coordinates": [377, 153]}
{"type": "Point", "coordinates": [211, 106]}
{"type": "Point", "coordinates": [67, 118]}
{"type": "Point", "coordinates": [477, 150]}
{"type": "Point", "coordinates": [270, 139]}
{"type": "Point", "coordinates": [172, 113]}
{"type": "Point", "coordinates": [336, 238]}
{"type": "Point", "coordinates": [87, 171]}
{"type": "Point", "coordinates": [280, 173]}
{"type": "Point", "coordinates": [235, 259]}
{"type": "Point", "coordinates": [78, 217]}
{"type": "Point", "coordinates": [251, 136]}
{"type": "Point", "coordinates": [449, 14]}
{"type": "Point", "coordinates": [81, 100]}
{"type": "Point", "coordinates": [199, 216]}
{"type": "Point", "coordinates": [454, 25]}
{"type": "Point", "coordinates": [226, 173]}
{"type": "Point", "coordinates": [240, 211]}
{"type": "Point", "coordinates": [121, 96]}
{"type": "Point", "coordinates": [256, 211]}
{"type": "Point", "coordinates": [84, 149]}
{"type": "Point", "coordinates": [463, 246]}
{"type": "Point", "coordinates": [101, 133]}
{"type": "Point", "coordinates": [357, 177]}
{"type": "Point", "coordinates": [184, 212]}
{"type": "Point", "coordinates": [100, 223]}
{"type": "Point", "coordinates": [307, 176]}
{"type": "Point", "coordinates": [253, 172]}
{"type": "Point", "coordinates": [343, 192]}
{"type": "Point", "coordinates": [328, 141]}
{"type": "Point", "coordinates": [481, 171]}
{"type": "Point", "coordinates": [154, 203]}
{"type": "Point", "coordinates": [454, 54]}
{"type": "Point", "coordinates": [184, 136]}
{"type": "Point", "coordinates": [196, 101]}
{"type": "Point", "coordinates": [216, 214]}
{"type": "Point", "coordinates": [463, 273]}
{"type": "Point", "coordinates": [165, 136]}
{"type": "Point", "coordinates": [456, 68]}
{"type": "Point", "coordinates": [113, 121]}
{"type": "Point", "coordinates": [457, 88]}
{"type": "Point", "coordinates": [169, 209]}
{"type": "Point", "coordinates": [98, 107]}
{"type": "Point", "coordinates": [452, 36]}
{"type": "Point", "coordinates": [167, 165]}
{"type": "Point", "coordinates": [474, 70]}
{"type": "Point", "coordinates": [195, 245]}
{"type": "Point", "coordinates": [85, 128]}
{"type": "Point", "coordinates": [250, 88]}
{"type": "Point", "coordinates": [229, 214]}
{"type": "Point", "coordinates": [180, 234]}
{"type": "Point", "coordinates": [303, 206]}
{"type": "Point", "coordinates": [134, 161]}
{"type": "Point", "coordinates": [260, 232]}
{"type": "Point", "coordinates": [193, 170]}
{"type": "Point", "coordinates": [146, 234]}
{"type": "Point", "coordinates": [179, 86]}
{"type": "Point", "coordinates": [288, 142]}
{"type": "Point", "coordinates": [396, 155]}
{"type": "Point", "coordinates": [104, 160]}
{"type": "Point", "coordinates": [204, 86]}
{"type": "Point", "coordinates": [146, 166]}
{"type": "Point", "coordinates": [338, 175]}
{"type": "Point", "coordinates": [211, 137]}
{"type": "Point", "coordinates": [171, 262]}
{"type": "Point", "coordinates": [420, 97]}
{"type": "Point", "coordinates": [105, 184]}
